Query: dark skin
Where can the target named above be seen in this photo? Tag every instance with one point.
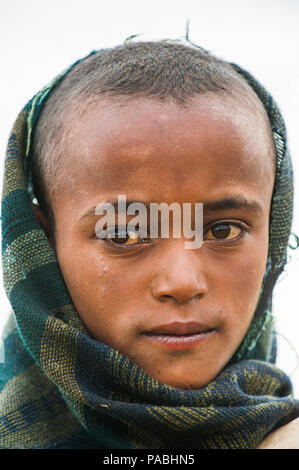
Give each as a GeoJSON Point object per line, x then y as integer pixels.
{"type": "Point", "coordinates": [213, 149]}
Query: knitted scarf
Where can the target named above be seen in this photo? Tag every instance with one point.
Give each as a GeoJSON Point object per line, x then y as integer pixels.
{"type": "Point", "coordinates": [59, 388]}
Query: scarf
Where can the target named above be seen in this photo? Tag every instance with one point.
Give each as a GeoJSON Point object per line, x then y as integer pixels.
{"type": "Point", "coordinates": [59, 388]}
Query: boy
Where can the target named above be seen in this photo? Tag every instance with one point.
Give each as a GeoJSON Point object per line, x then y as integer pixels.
{"type": "Point", "coordinates": [146, 343]}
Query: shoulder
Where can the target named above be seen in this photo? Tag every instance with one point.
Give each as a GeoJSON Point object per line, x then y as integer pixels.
{"type": "Point", "coordinates": [286, 437]}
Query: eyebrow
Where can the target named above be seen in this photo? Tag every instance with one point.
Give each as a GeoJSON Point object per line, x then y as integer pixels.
{"type": "Point", "coordinates": [237, 202]}
{"type": "Point", "coordinates": [91, 212]}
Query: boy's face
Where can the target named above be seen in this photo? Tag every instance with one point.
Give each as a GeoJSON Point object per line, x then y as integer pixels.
{"type": "Point", "coordinates": [178, 313]}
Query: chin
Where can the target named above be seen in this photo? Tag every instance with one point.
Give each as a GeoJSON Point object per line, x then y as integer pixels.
{"type": "Point", "coordinates": [186, 379]}
{"type": "Point", "coordinates": [184, 384]}
{"type": "Point", "coordinates": [181, 381]}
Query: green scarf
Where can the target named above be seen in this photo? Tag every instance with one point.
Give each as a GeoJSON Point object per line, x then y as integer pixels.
{"type": "Point", "coordinates": [59, 388]}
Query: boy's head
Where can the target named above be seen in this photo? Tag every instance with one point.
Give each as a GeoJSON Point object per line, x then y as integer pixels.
{"type": "Point", "coordinates": [159, 122]}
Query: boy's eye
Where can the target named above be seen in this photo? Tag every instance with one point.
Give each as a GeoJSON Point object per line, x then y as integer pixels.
{"type": "Point", "coordinates": [225, 231]}
{"type": "Point", "coordinates": [124, 237]}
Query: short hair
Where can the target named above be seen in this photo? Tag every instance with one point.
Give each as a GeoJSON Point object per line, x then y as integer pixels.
{"type": "Point", "coordinates": [159, 69]}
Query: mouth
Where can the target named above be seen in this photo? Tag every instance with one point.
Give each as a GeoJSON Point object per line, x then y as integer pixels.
{"type": "Point", "coordinates": [179, 335]}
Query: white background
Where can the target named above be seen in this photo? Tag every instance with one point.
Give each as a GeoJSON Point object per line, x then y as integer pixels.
{"type": "Point", "coordinates": [39, 38]}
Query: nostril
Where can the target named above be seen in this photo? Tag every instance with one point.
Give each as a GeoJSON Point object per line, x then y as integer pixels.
{"type": "Point", "coordinates": [196, 297]}
{"type": "Point", "coordinates": [180, 299]}
{"type": "Point", "coordinates": [165, 296]}
{"type": "Point", "coordinates": [180, 289]}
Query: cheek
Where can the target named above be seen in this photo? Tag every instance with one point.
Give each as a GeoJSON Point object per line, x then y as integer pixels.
{"type": "Point", "coordinates": [241, 284]}
{"type": "Point", "coordinates": [102, 289]}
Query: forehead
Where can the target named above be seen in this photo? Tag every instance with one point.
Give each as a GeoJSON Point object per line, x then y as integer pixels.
{"type": "Point", "coordinates": [167, 149]}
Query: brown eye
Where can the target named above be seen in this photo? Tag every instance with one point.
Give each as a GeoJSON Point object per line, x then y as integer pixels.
{"type": "Point", "coordinates": [223, 232]}
{"type": "Point", "coordinates": [124, 237]}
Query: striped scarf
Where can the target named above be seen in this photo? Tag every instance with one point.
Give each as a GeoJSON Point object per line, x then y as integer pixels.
{"type": "Point", "coordinates": [59, 388]}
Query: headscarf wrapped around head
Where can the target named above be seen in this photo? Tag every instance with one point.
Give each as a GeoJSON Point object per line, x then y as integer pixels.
{"type": "Point", "coordinates": [59, 388]}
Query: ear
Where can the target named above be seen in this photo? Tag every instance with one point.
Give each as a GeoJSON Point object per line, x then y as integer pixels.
{"type": "Point", "coordinates": [44, 223]}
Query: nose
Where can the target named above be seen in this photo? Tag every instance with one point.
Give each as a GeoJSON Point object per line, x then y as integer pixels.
{"type": "Point", "coordinates": [180, 275]}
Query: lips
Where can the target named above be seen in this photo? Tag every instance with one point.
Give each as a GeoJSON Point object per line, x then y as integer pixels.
{"type": "Point", "coordinates": [179, 336]}
{"type": "Point", "coordinates": [180, 328]}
